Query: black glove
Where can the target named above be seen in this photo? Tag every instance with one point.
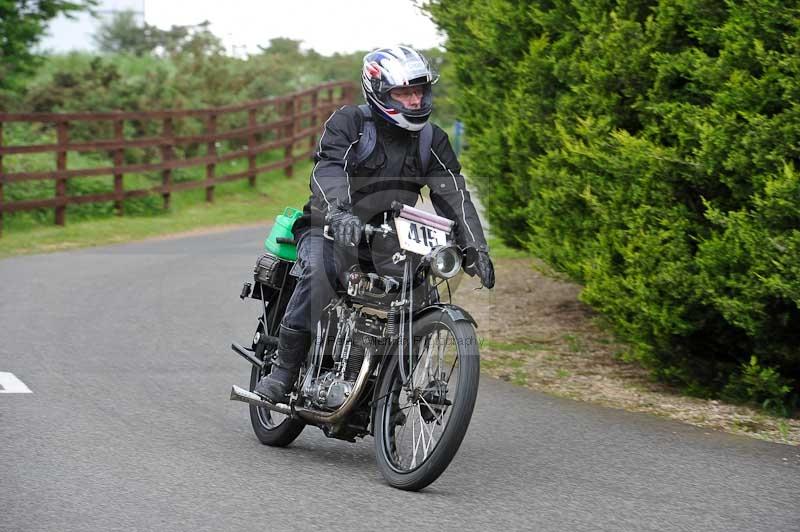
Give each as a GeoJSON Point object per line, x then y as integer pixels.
{"type": "Point", "coordinates": [345, 226]}
{"type": "Point", "coordinates": [477, 262]}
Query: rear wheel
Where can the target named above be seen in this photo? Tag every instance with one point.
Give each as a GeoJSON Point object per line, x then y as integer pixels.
{"type": "Point", "coordinates": [420, 424]}
{"type": "Point", "coordinates": [271, 428]}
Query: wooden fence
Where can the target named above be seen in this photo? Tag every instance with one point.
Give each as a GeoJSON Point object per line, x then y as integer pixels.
{"type": "Point", "coordinates": [293, 123]}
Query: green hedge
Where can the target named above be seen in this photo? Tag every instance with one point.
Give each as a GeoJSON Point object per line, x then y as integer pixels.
{"type": "Point", "coordinates": [649, 149]}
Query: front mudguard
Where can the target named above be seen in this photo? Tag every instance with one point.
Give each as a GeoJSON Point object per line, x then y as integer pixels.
{"type": "Point", "coordinates": [456, 313]}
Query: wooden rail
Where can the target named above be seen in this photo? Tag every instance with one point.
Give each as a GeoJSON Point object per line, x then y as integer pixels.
{"type": "Point", "coordinates": [294, 122]}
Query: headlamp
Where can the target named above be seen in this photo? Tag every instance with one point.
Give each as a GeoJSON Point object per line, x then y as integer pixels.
{"type": "Point", "coordinates": [445, 261]}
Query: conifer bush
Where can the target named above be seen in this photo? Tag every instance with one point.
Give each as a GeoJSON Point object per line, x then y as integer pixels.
{"type": "Point", "coordinates": [650, 149]}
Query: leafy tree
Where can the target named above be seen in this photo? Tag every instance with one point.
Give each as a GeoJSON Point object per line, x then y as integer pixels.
{"type": "Point", "coordinates": [123, 33]}
{"type": "Point", "coordinates": [22, 25]}
{"type": "Point", "coordinates": [282, 46]}
{"type": "Point", "coordinates": [196, 40]}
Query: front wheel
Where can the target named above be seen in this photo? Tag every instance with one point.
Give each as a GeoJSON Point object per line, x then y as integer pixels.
{"type": "Point", "coordinates": [420, 424]}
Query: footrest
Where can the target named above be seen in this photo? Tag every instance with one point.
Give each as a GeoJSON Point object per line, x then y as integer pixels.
{"type": "Point", "coordinates": [247, 354]}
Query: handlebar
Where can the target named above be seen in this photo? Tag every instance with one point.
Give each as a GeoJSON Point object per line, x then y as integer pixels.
{"type": "Point", "coordinates": [384, 229]}
{"type": "Point", "coordinates": [369, 230]}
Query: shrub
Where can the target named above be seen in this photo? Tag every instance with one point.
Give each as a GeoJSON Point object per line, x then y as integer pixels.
{"type": "Point", "coordinates": [756, 384]}
{"type": "Point", "coordinates": [649, 149]}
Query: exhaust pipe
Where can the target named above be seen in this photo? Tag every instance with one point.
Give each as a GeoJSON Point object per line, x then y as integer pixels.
{"type": "Point", "coordinates": [240, 394]}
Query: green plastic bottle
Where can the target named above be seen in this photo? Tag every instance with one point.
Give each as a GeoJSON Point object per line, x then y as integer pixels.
{"type": "Point", "coordinates": [283, 230]}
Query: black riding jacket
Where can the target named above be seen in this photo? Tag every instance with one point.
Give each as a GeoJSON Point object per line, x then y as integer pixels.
{"type": "Point", "coordinates": [392, 172]}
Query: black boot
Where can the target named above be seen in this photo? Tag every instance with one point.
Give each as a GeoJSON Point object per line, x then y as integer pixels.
{"type": "Point", "coordinates": [292, 348]}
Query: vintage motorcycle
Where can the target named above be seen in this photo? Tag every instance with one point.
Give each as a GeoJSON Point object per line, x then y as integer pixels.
{"type": "Point", "coordinates": [390, 359]}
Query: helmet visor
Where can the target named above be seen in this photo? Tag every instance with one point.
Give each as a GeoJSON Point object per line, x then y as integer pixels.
{"type": "Point", "coordinates": [411, 100]}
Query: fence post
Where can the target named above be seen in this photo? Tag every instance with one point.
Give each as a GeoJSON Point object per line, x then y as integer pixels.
{"type": "Point", "coordinates": [119, 194]}
{"type": "Point", "coordinates": [211, 151]}
{"type": "Point", "coordinates": [2, 178]}
{"type": "Point", "coordinates": [342, 95]}
{"type": "Point", "coordinates": [312, 139]}
{"type": "Point", "coordinates": [251, 148]}
{"type": "Point", "coordinates": [62, 133]}
{"type": "Point", "coordinates": [288, 153]}
{"type": "Point", "coordinates": [330, 101]}
{"type": "Point", "coordinates": [166, 156]}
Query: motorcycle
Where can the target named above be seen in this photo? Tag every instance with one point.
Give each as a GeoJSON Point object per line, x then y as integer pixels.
{"type": "Point", "coordinates": [390, 358]}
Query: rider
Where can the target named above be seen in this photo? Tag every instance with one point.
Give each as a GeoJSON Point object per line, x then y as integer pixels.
{"type": "Point", "coordinates": [346, 194]}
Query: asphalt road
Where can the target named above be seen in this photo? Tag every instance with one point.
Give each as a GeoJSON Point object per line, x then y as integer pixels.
{"type": "Point", "coordinates": [129, 426]}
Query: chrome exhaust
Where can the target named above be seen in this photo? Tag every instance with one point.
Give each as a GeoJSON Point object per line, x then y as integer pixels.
{"type": "Point", "coordinates": [240, 394]}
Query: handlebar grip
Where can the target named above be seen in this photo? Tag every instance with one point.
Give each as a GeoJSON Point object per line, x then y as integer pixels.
{"type": "Point", "coordinates": [281, 240]}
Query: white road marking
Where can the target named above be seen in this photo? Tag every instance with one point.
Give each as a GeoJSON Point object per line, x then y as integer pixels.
{"type": "Point", "coordinates": [9, 383]}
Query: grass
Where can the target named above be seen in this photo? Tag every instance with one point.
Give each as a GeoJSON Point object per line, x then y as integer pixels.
{"type": "Point", "coordinates": [235, 203]}
{"type": "Point", "coordinates": [515, 346]}
{"type": "Point", "coordinates": [783, 428]}
{"type": "Point", "coordinates": [574, 343]}
{"type": "Point", "coordinates": [499, 250]}
{"type": "Point", "coordinates": [509, 368]}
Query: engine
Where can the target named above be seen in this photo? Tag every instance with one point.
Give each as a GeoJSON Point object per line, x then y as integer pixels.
{"type": "Point", "coordinates": [357, 334]}
{"type": "Point", "coordinates": [329, 391]}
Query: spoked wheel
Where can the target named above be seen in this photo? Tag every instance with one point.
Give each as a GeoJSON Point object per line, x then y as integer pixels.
{"type": "Point", "coordinates": [419, 425]}
{"type": "Point", "coordinates": [271, 428]}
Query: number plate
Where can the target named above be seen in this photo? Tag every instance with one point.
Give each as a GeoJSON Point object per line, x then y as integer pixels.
{"type": "Point", "coordinates": [418, 237]}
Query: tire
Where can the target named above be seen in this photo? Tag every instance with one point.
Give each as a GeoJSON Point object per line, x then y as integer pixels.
{"type": "Point", "coordinates": [427, 407]}
{"type": "Point", "coordinates": [271, 428]}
